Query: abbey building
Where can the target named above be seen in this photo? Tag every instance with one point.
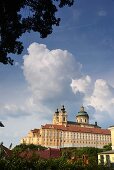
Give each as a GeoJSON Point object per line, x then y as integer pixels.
{"type": "Point", "coordinates": [63, 133]}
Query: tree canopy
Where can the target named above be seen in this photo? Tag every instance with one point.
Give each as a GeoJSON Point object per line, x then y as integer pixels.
{"type": "Point", "coordinates": [13, 22]}
{"type": "Point", "coordinates": [107, 147]}
{"type": "Point", "coordinates": [24, 147]}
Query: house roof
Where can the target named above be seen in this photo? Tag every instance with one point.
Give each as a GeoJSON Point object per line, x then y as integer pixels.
{"type": "Point", "coordinates": [6, 152]}
{"type": "Point", "coordinates": [107, 152]}
{"type": "Point", "coordinates": [82, 114]}
{"type": "Point", "coordinates": [77, 128]}
{"type": "Point", "coordinates": [35, 130]}
{"type": "Point", "coordinates": [77, 123]}
{"type": "Point", "coordinates": [48, 153]}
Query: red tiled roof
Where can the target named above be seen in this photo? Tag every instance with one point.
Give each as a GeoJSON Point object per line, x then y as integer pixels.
{"type": "Point", "coordinates": [48, 153]}
{"type": "Point", "coordinates": [35, 130]}
{"type": "Point", "coordinates": [6, 152]}
{"type": "Point", "coordinates": [76, 128]}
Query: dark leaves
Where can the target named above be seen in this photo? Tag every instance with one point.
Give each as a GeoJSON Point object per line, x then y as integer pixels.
{"type": "Point", "coordinates": [13, 23]}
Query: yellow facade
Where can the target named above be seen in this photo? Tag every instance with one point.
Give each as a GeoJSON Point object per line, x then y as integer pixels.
{"type": "Point", "coordinates": [60, 117]}
{"type": "Point", "coordinates": [63, 133]}
{"type": "Point", "coordinates": [58, 139]}
{"type": "Point", "coordinates": [106, 158]}
{"type": "Point", "coordinates": [111, 128]}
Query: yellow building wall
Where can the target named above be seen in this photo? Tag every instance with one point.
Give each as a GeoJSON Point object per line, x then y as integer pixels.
{"type": "Point", "coordinates": [111, 158]}
{"type": "Point", "coordinates": [57, 138]}
{"type": "Point", "coordinates": [82, 119]}
{"type": "Point", "coordinates": [112, 136]}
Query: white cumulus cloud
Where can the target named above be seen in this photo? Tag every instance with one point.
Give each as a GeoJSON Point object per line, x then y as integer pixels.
{"type": "Point", "coordinates": [54, 76]}
{"type": "Point", "coordinates": [81, 84]}
{"type": "Point", "coordinates": [49, 72]}
{"type": "Point", "coordinates": [103, 96]}
{"type": "Point", "coordinates": [12, 110]}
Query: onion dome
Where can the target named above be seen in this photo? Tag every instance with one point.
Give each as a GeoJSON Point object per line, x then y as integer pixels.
{"type": "Point", "coordinates": [57, 112]}
{"type": "Point", "coordinates": [82, 112]}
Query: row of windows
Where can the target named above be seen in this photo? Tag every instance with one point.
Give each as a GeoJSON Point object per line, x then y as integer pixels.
{"type": "Point", "coordinates": [75, 141]}
{"type": "Point", "coordinates": [84, 138]}
{"type": "Point", "coordinates": [55, 133]}
{"type": "Point", "coordinates": [81, 138]}
{"type": "Point", "coordinates": [65, 141]}
{"type": "Point", "coordinates": [81, 142]}
{"type": "Point", "coordinates": [82, 120]}
{"type": "Point", "coordinates": [91, 137]}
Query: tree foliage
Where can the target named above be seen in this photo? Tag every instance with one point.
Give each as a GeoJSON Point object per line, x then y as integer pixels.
{"type": "Point", "coordinates": [90, 151]}
{"type": "Point", "coordinates": [41, 18]}
{"type": "Point", "coordinates": [17, 163]}
{"type": "Point", "coordinates": [24, 147]}
{"type": "Point", "coordinates": [107, 147]}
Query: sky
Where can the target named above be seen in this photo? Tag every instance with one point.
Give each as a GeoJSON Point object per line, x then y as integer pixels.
{"type": "Point", "coordinates": [73, 66]}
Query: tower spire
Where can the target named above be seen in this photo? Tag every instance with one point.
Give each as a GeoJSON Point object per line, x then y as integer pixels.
{"type": "Point", "coordinates": [82, 108]}
{"type": "Point", "coordinates": [63, 108]}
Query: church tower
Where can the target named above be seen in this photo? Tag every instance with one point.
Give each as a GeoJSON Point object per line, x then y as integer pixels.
{"type": "Point", "coordinates": [82, 116]}
{"type": "Point", "coordinates": [60, 117]}
{"type": "Point", "coordinates": [56, 117]}
{"type": "Point", "coordinates": [63, 116]}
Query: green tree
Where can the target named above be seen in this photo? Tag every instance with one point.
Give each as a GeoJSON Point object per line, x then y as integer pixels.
{"type": "Point", "coordinates": [107, 147]}
{"type": "Point", "coordinates": [13, 22]}
{"type": "Point", "coordinates": [17, 163]}
{"type": "Point", "coordinates": [24, 147]}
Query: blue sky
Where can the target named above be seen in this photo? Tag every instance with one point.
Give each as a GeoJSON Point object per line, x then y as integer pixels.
{"type": "Point", "coordinates": [74, 66]}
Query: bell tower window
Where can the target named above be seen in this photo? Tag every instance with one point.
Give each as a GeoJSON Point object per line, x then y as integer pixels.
{"type": "Point", "coordinates": [64, 119]}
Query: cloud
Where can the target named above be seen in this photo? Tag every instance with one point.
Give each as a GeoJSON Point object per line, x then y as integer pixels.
{"type": "Point", "coordinates": [55, 77]}
{"type": "Point", "coordinates": [102, 101]}
{"type": "Point", "coordinates": [98, 97]}
{"type": "Point", "coordinates": [81, 85]}
{"type": "Point", "coordinates": [50, 72]}
{"type": "Point", "coordinates": [102, 98]}
{"type": "Point", "coordinates": [15, 129]}
{"type": "Point", "coordinates": [102, 13]}
{"type": "Point", "coordinates": [12, 111]}
{"type": "Point", "coordinates": [42, 111]}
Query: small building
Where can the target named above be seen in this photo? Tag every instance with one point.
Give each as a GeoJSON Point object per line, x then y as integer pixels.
{"type": "Point", "coordinates": [107, 158]}
{"type": "Point", "coordinates": [5, 152]}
